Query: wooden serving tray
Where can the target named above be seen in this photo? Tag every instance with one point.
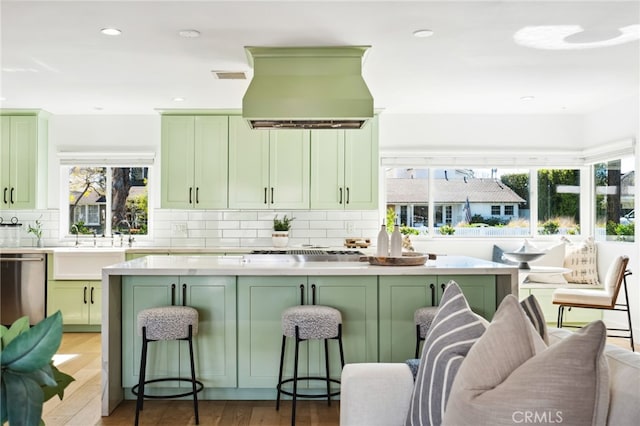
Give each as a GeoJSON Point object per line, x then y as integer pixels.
{"type": "Point", "coordinates": [407, 259]}
{"type": "Point", "coordinates": [357, 242]}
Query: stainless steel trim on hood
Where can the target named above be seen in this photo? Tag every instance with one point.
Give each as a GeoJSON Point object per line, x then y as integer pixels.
{"type": "Point", "coordinates": [307, 87]}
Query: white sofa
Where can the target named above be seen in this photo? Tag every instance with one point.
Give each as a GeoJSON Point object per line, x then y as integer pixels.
{"type": "Point", "coordinates": [379, 394]}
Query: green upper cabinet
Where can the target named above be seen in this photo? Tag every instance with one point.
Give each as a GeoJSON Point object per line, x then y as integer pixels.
{"type": "Point", "coordinates": [344, 168]}
{"type": "Point", "coordinates": [23, 161]}
{"type": "Point", "coordinates": [194, 161]}
{"type": "Point", "coordinates": [268, 169]}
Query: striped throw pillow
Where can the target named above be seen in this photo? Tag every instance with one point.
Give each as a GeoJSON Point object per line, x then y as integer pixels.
{"type": "Point", "coordinates": [534, 313]}
{"type": "Point", "coordinates": [453, 331]}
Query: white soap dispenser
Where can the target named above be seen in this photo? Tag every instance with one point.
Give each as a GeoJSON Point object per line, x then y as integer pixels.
{"type": "Point", "coordinates": [396, 242]}
{"type": "Point", "coordinates": [382, 249]}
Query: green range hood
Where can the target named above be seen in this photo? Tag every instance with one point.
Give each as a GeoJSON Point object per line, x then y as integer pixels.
{"type": "Point", "coordinates": [307, 88]}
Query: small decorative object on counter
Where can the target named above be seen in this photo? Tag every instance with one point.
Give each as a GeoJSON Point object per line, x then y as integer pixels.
{"type": "Point", "coordinates": [395, 249]}
{"type": "Point", "coordinates": [10, 232]}
{"type": "Point", "coordinates": [36, 230]}
{"type": "Point", "coordinates": [280, 235]}
{"type": "Point", "coordinates": [357, 242]}
{"type": "Point", "coordinates": [382, 249]}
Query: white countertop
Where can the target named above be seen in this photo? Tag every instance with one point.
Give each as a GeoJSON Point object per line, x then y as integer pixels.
{"type": "Point", "coordinates": [237, 265]}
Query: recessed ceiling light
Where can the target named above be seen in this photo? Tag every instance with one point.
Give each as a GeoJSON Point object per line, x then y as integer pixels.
{"type": "Point", "coordinates": [422, 33]}
{"type": "Point", "coordinates": [178, 99]}
{"type": "Point", "coordinates": [111, 31]}
{"type": "Point", "coordinates": [527, 98]}
{"type": "Point", "coordinates": [189, 33]}
{"type": "Point", "coordinates": [98, 108]}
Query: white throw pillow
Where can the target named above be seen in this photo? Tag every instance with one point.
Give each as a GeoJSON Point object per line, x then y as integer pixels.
{"type": "Point", "coordinates": [554, 257]}
{"type": "Point", "coordinates": [581, 258]}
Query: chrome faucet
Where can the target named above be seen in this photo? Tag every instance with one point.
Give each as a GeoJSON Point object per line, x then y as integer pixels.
{"type": "Point", "coordinates": [75, 228]}
{"type": "Point", "coordinates": [130, 239]}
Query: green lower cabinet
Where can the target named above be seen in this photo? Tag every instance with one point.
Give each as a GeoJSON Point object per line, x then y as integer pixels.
{"type": "Point", "coordinates": [214, 345]}
{"type": "Point", "coordinates": [400, 296]}
{"type": "Point", "coordinates": [261, 301]}
{"type": "Point", "coordinates": [79, 301]}
{"type": "Point", "coordinates": [573, 316]}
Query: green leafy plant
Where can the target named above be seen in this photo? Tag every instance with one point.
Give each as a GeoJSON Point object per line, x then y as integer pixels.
{"type": "Point", "coordinates": [406, 230]}
{"type": "Point", "coordinates": [80, 228]}
{"type": "Point", "coordinates": [36, 229]}
{"type": "Point", "coordinates": [29, 377]}
{"type": "Point", "coordinates": [550, 227]}
{"type": "Point", "coordinates": [282, 225]}
{"type": "Point", "coordinates": [447, 230]}
{"type": "Point", "coordinates": [391, 219]}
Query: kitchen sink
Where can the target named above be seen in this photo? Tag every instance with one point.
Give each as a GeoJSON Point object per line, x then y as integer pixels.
{"type": "Point", "coordinates": [84, 263]}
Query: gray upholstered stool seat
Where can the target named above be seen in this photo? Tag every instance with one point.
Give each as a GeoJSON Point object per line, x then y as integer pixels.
{"type": "Point", "coordinates": [423, 317]}
{"type": "Point", "coordinates": [305, 322]}
{"type": "Point", "coordinates": [313, 322]}
{"type": "Point", "coordinates": [168, 322]}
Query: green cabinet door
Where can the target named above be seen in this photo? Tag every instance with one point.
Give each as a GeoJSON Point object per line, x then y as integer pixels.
{"type": "Point", "coordinates": [344, 168]}
{"type": "Point", "coordinates": [79, 301]}
{"type": "Point", "coordinates": [194, 161]}
{"type": "Point", "coordinates": [214, 345]}
{"type": "Point", "coordinates": [361, 167]}
{"type": "Point", "coordinates": [327, 169]}
{"type": "Point", "coordinates": [261, 301]}
{"type": "Point", "coordinates": [400, 296]}
{"type": "Point", "coordinates": [248, 166]}
{"type": "Point", "coordinates": [289, 165]}
{"type": "Point", "coordinates": [356, 297]}
{"type": "Point", "coordinates": [479, 290]}
{"type": "Point", "coordinates": [20, 162]}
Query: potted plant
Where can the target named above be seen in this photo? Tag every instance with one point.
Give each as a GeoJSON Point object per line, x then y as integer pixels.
{"type": "Point", "coordinates": [36, 230]}
{"type": "Point", "coordinates": [280, 234]}
{"type": "Point", "coordinates": [29, 377]}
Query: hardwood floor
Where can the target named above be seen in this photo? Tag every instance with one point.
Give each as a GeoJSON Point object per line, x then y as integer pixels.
{"type": "Point", "coordinates": [80, 353]}
{"type": "Point", "coordinates": [81, 403]}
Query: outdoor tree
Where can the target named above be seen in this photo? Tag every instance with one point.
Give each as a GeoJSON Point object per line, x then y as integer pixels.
{"type": "Point", "coordinates": [556, 197]}
{"type": "Point", "coordinates": [519, 183]}
{"type": "Point", "coordinates": [121, 184]}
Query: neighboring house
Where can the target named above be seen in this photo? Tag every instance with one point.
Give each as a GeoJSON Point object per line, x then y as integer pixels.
{"type": "Point", "coordinates": [454, 200]}
{"type": "Point", "coordinates": [90, 209]}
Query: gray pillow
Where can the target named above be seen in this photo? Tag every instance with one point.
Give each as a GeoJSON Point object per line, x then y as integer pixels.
{"type": "Point", "coordinates": [453, 331]}
{"type": "Point", "coordinates": [497, 256]}
{"type": "Point", "coordinates": [509, 375]}
{"type": "Point", "coordinates": [536, 316]}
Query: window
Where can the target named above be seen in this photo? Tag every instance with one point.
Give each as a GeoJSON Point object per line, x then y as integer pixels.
{"type": "Point", "coordinates": [495, 210]}
{"type": "Point", "coordinates": [508, 210]}
{"type": "Point", "coordinates": [615, 200]}
{"type": "Point", "coordinates": [558, 201]}
{"type": "Point", "coordinates": [107, 200]}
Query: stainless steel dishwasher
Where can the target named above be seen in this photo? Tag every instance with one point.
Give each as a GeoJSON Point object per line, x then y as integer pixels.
{"type": "Point", "coordinates": [23, 287]}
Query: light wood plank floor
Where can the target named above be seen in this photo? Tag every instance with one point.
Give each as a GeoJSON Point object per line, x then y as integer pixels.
{"type": "Point", "coordinates": [81, 404]}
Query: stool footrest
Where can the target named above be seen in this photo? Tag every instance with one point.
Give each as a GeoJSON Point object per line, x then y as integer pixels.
{"type": "Point", "coordinates": [298, 394]}
{"type": "Point", "coordinates": [200, 386]}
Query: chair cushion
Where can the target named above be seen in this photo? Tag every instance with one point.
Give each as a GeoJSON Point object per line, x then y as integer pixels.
{"type": "Point", "coordinates": [509, 375]}
{"type": "Point", "coordinates": [453, 331]}
{"type": "Point", "coordinates": [424, 317]}
{"type": "Point", "coordinates": [168, 322]}
{"type": "Point", "coordinates": [581, 296]}
{"type": "Point", "coordinates": [313, 321]}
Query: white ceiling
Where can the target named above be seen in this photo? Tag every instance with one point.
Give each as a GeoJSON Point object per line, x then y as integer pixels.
{"type": "Point", "coordinates": [53, 56]}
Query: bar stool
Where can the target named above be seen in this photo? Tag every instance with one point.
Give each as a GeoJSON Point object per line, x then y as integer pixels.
{"type": "Point", "coordinates": [307, 322]}
{"type": "Point", "coordinates": [423, 317]}
{"type": "Point", "coordinates": [167, 323]}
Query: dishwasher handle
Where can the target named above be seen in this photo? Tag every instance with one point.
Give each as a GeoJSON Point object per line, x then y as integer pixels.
{"type": "Point", "coordinates": [21, 259]}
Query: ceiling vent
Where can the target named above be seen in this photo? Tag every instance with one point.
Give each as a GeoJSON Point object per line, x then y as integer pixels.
{"type": "Point", "coordinates": [307, 87]}
{"type": "Point", "coordinates": [229, 75]}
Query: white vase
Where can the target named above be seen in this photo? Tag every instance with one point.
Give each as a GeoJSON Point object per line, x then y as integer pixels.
{"type": "Point", "coordinates": [280, 238]}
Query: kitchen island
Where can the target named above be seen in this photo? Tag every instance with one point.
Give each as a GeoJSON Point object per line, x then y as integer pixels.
{"type": "Point", "coordinates": [240, 301]}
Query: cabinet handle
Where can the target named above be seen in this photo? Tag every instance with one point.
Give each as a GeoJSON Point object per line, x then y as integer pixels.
{"type": "Point", "coordinates": [340, 202]}
{"type": "Point", "coordinates": [85, 295]}
{"type": "Point", "coordinates": [190, 195]}
{"type": "Point", "coordinates": [313, 294]}
{"type": "Point", "coordinates": [302, 294]}
{"type": "Point", "coordinates": [272, 195]}
{"type": "Point", "coordinates": [5, 195]}
{"type": "Point", "coordinates": [433, 293]}
{"type": "Point", "coordinates": [92, 288]}
{"type": "Point", "coordinates": [184, 294]}
{"type": "Point", "coordinates": [197, 195]}
{"type": "Point", "coordinates": [347, 195]}
{"type": "Point", "coordinates": [265, 195]}
{"type": "Point", "coordinates": [442, 286]}
{"type": "Point", "coordinates": [173, 294]}
{"type": "Point", "coordinates": [11, 196]}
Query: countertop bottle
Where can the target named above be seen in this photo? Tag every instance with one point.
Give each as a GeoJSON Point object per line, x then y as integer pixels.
{"type": "Point", "coordinates": [396, 242]}
{"type": "Point", "coordinates": [383, 242]}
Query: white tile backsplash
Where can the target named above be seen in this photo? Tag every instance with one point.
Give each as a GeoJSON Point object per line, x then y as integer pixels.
{"type": "Point", "coordinates": [219, 228]}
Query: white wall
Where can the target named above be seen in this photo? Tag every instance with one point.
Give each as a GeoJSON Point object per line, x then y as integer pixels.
{"type": "Point", "coordinates": [446, 131]}
{"type": "Point", "coordinates": [618, 121]}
